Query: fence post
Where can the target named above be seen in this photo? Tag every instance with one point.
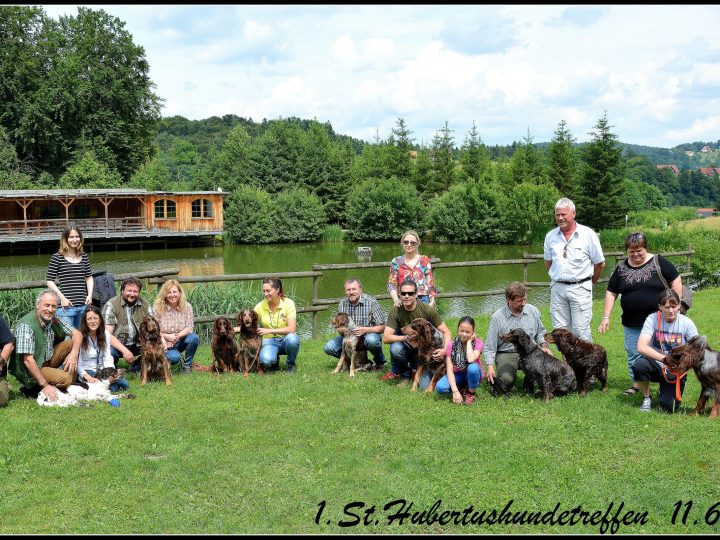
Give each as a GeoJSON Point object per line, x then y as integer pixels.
{"type": "Point", "coordinates": [525, 273]}
{"type": "Point", "coordinates": [314, 298]}
{"type": "Point", "coordinates": [687, 266]}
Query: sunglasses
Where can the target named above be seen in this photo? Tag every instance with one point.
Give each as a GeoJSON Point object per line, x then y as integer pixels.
{"type": "Point", "coordinates": [407, 293]}
{"type": "Point", "coordinates": [409, 243]}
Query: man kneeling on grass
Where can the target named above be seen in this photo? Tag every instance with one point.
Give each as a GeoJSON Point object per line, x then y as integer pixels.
{"type": "Point", "coordinates": [402, 356]}
{"type": "Point", "coordinates": [43, 359]}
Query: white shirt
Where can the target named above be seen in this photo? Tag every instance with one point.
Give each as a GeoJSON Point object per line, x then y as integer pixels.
{"type": "Point", "coordinates": [88, 359]}
{"type": "Point", "coordinates": [583, 252]}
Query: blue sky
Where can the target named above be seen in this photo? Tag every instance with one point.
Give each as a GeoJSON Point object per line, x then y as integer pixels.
{"type": "Point", "coordinates": [510, 69]}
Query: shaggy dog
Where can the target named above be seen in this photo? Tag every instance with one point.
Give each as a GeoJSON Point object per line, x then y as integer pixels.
{"type": "Point", "coordinates": [425, 338]}
{"type": "Point", "coordinates": [555, 378]}
{"type": "Point", "coordinates": [696, 354]}
{"type": "Point", "coordinates": [250, 342]}
{"type": "Point", "coordinates": [224, 349]}
{"type": "Point", "coordinates": [353, 353]}
{"type": "Point", "coordinates": [586, 359]}
{"type": "Point", "coordinates": [153, 363]}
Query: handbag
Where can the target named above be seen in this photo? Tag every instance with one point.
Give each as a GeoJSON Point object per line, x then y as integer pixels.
{"type": "Point", "coordinates": [685, 297]}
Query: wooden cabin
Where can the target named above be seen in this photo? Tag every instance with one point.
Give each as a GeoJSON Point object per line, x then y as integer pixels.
{"type": "Point", "coordinates": [110, 215]}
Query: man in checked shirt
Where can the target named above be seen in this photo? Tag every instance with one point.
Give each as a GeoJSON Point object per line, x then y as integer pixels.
{"type": "Point", "coordinates": [367, 314]}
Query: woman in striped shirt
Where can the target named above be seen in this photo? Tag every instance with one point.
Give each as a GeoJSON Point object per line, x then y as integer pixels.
{"type": "Point", "coordinates": [177, 321]}
{"type": "Point", "coordinates": [70, 277]}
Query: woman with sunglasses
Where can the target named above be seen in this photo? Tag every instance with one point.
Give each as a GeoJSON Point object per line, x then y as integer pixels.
{"type": "Point", "coordinates": [414, 266]}
{"type": "Point", "coordinates": [637, 282]}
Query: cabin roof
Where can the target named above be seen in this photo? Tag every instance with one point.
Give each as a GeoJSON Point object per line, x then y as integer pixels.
{"type": "Point", "coordinates": [81, 193]}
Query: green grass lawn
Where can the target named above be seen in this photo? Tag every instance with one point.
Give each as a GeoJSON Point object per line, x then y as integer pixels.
{"type": "Point", "coordinates": [265, 455]}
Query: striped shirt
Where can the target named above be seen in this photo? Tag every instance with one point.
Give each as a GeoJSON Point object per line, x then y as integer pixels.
{"type": "Point", "coordinates": [175, 320]}
{"type": "Point", "coordinates": [25, 337]}
{"type": "Point", "coordinates": [70, 277]}
{"type": "Point", "coordinates": [503, 321]}
{"type": "Point", "coordinates": [367, 311]}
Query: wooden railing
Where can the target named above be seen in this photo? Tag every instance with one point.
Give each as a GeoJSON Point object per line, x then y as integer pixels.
{"type": "Point", "coordinates": [43, 227]}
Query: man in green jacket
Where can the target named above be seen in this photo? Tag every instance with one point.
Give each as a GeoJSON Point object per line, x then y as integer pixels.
{"type": "Point", "coordinates": [43, 359]}
{"type": "Point", "coordinates": [123, 316]}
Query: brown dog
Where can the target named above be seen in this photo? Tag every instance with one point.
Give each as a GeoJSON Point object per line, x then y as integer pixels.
{"type": "Point", "coordinates": [250, 342]}
{"type": "Point", "coordinates": [696, 354]}
{"type": "Point", "coordinates": [224, 349]}
{"type": "Point", "coordinates": [586, 359]}
{"type": "Point", "coordinates": [153, 363]}
{"type": "Point", "coordinates": [425, 338]}
{"type": "Point", "coordinates": [353, 353]}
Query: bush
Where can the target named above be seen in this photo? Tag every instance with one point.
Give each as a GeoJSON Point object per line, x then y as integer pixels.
{"type": "Point", "coordinates": [255, 217]}
{"type": "Point", "coordinates": [383, 209]}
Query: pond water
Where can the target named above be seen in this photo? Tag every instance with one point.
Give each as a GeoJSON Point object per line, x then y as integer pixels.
{"type": "Point", "coordinates": [245, 259]}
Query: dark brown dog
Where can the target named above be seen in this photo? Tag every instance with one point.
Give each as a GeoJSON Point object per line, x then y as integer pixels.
{"type": "Point", "coordinates": [153, 363]}
{"type": "Point", "coordinates": [353, 354]}
{"type": "Point", "coordinates": [697, 355]}
{"type": "Point", "coordinates": [425, 338]}
{"type": "Point", "coordinates": [554, 377]}
{"type": "Point", "coordinates": [250, 342]}
{"type": "Point", "coordinates": [224, 349]}
{"type": "Point", "coordinates": [585, 358]}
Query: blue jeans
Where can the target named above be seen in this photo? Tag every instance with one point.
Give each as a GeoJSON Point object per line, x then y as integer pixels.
{"type": "Point", "coordinates": [272, 348]}
{"type": "Point", "coordinates": [471, 377]}
{"type": "Point", "coordinates": [403, 358]}
{"type": "Point", "coordinates": [72, 315]}
{"type": "Point", "coordinates": [119, 384]}
{"type": "Point", "coordinates": [189, 342]}
{"type": "Point", "coordinates": [632, 333]}
{"type": "Point", "coordinates": [373, 343]}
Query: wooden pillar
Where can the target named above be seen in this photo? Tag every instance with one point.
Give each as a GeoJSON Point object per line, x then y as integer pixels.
{"type": "Point", "coordinates": [67, 208]}
{"type": "Point", "coordinates": [314, 299]}
{"type": "Point", "coordinates": [106, 202]}
{"type": "Point", "coordinates": [24, 203]}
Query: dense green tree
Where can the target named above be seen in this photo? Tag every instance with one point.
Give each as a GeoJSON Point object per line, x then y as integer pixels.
{"type": "Point", "coordinates": [397, 154]}
{"type": "Point", "coordinates": [603, 203]}
{"type": "Point", "coordinates": [152, 175]}
{"type": "Point", "coordinates": [422, 174]}
{"type": "Point", "coordinates": [275, 157]}
{"type": "Point", "coordinates": [371, 163]}
{"type": "Point", "coordinates": [299, 215]}
{"type": "Point", "coordinates": [563, 162]}
{"type": "Point", "coordinates": [250, 217]}
{"type": "Point", "coordinates": [474, 157]}
{"type": "Point", "coordinates": [382, 209]}
{"type": "Point", "coordinates": [530, 213]}
{"type": "Point", "coordinates": [527, 164]}
{"type": "Point", "coordinates": [230, 167]}
{"type": "Point", "coordinates": [89, 172]}
{"type": "Point", "coordinates": [443, 161]}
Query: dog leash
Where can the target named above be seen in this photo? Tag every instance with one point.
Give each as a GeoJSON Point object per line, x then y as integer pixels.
{"type": "Point", "coordinates": [678, 376]}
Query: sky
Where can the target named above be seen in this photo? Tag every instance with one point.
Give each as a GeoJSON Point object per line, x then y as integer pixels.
{"type": "Point", "coordinates": [512, 70]}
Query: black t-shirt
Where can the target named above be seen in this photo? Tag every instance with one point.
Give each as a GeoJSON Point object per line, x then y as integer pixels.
{"type": "Point", "coordinates": [639, 287]}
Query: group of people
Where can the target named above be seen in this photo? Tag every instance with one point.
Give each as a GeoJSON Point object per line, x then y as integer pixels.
{"type": "Point", "coordinates": [67, 338]}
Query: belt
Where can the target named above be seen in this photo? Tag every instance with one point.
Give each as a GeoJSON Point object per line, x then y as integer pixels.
{"type": "Point", "coordinates": [573, 282]}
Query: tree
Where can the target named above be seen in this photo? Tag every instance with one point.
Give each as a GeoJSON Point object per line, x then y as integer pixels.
{"type": "Point", "coordinates": [89, 172]}
{"type": "Point", "coordinates": [397, 154]}
{"type": "Point", "coordinates": [443, 161]}
{"type": "Point", "coordinates": [563, 162]}
{"type": "Point", "coordinates": [230, 167]}
{"type": "Point", "coordinates": [78, 84]}
{"type": "Point", "coordinates": [422, 173]}
{"type": "Point", "coordinates": [474, 157]}
{"type": "Point", "coordinates": [526, 164]}
{"type": "Point", "coordinates": [603, 202]}
{"type": "Point", "coordinates": [275, 157]}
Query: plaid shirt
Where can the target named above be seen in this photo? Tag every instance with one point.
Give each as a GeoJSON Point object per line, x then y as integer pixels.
{"type": "Point", "coordinates": [111, 318]}
{"type": "Point", "coordinates": [25, 337]}
{"type": "Point", "coordinates": [366, 312]}
{"type": "Point", "coordinates": [175, 320]}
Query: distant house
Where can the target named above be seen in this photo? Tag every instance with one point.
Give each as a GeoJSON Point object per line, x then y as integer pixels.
{"type": "Point", "coordinates": [706, 149]}
{"type": "Point", "coordinates": [673, 168]}
{"type": "Point", "coordinates": [709, 171]}
{"type": "Point", "coordinates": [704, 212]}
{"type": "Point", "coordinates": [689, 153]}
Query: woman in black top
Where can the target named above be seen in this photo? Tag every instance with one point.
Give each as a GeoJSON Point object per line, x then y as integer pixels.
{"type": "Point", "coordinates": [637, 282]}
{"type": "Point", "coordinates": [70, 277]}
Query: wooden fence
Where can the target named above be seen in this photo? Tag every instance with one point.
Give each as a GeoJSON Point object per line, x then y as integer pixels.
{"type": "Point", "coordinates": [319, 304]}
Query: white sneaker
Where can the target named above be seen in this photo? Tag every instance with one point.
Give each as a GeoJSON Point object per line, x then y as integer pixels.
{"type": "Point", "coordinates": [646, 405]}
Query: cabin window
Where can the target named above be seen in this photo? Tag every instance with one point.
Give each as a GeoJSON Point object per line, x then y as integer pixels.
{"type": "Point", "coordinates": [202, 208]}
{"type": "Point", "coordinates": [164, 209]}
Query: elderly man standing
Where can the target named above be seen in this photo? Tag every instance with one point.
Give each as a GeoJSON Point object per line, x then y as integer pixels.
{"type": "Point", "coordinates": [367, 314]}
{"type": "Point", "coordinates": [575, 261]}
{"type": "Point", "coordinates": [43, 359]}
